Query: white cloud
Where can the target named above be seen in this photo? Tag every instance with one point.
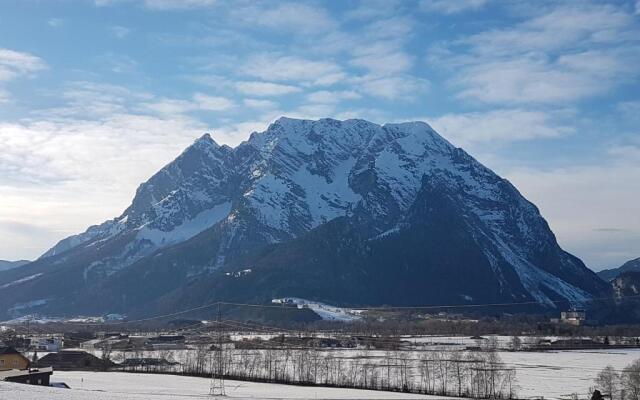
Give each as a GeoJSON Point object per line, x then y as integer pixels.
{"type": "Point", "coordinates": [370, 9]}
{"type": "Point", "coordinates": [84, 99]}
{"type": "Point", "coordinates": [212, 103]}
{"type": "Point", "coordinates": [497, 125]}
{"type": "Point", "coordinates": [593, 210]}
{"type": "Point", "coordinates": [177, 4]}
{"type": "Point", "coordinates": [55, 22]}
{"type": "Point", "coordinates": [391, 88]}
{"type": "Point", "coordinates": [260, 104]}
{"type": "Point", "coordinates": [4, 96]}
{"type": "Point", "coordinates": [119, 31]}
{"type": "Point", "coordinates": [199, 102]}
{"type": "Point", "coordinates": [451, 6]}
{"type": "Point", "coordinates": [60, 176]}
{"type": "Point", "coordinates": [561, 27]}
{"type": "Point", "coordinates": [291, 68]}
{"type": "Point", "coordinates": [539, 80]}
{"type": "Point", "coordinates": [118, 63]}
{"type": "Point", "coordinates": [325, 96]}
{"type": "Point", "coordinates": [256, 88]}
{"type": "Point", "coordinates": [312, 111]}
{"type": "Point", "coordinates": [382, 58]}
{"type": "Point", "coordinates": [72, 166]}
{"type": "Point", "coordinates": [161, 5]}
{"type": "Point", "coordinates": [395, 27]}
{"type": "Point", "coordinates": [287, 17]}
{"type": "Point", "coordinates": [565, 53]}
{"type": "Point", "coordinates": [14, 64]}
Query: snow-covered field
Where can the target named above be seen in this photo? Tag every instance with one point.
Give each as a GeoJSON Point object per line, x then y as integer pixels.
{"type": "Point", "coordinates": [120, 386]}
{"type": "Point", "coordinates": [559, 374]}
{"type": "Point", "coordinates": [554, 375]}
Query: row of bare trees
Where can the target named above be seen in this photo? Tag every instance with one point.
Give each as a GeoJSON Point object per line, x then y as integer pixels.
{"type": "Point", "coordinates": [477, 374]}
{"type": "Point", "coordinates": [620, 385]}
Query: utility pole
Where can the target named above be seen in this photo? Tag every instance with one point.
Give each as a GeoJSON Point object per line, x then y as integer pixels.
{"type": "Point", "coordinates": [217, 388]}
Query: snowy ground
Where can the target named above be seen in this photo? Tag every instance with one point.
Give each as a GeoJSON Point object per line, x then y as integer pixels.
{"type": "Point", "coordinates": [120, 386]}
{"type": "Point", "coordinates": [554, 375]}
{"type": "Point", "coordinates": [559, 374]}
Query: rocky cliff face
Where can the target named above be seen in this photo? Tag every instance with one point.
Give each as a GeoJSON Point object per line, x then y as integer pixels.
{"type": "Point", "coordinates": [311, 207]}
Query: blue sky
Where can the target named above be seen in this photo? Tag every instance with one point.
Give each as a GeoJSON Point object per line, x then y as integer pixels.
{"type": "Point", "coordinates": [95, 96]}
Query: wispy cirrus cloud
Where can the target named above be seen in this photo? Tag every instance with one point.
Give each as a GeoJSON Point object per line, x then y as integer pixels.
{"type": "Point", "coordinates": [565, 53]}
{"type": "Point", "coordinates": [292, 68]}
{"type": "Point", "coordinates": [55, 22]}
{"type": "Point", "coordinates": [328, 97]}
{"type": "Point", "coordinates": [119, 31]}
{"type": "Point", "coordinates": [161, 5]}
{"type": "Point", "coordinates": [258, 88]}
{"type": "Point", "coordinates": [303, 18]}
{"type": "Point", "coordinates": [199, 102]}
{"type": "Point", "coordinates": [14, 64]}
{"type": "Point", "coordinates": [504, 125]}
{"type": "Point", "coordinates": [452, 7]}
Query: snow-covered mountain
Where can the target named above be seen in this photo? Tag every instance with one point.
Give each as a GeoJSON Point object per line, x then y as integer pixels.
{"type": "Point", "coordinates": [286, 193]}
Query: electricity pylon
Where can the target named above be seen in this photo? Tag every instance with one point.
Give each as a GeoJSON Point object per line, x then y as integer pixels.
{"type": "Point", "coordinates": [217, 388]}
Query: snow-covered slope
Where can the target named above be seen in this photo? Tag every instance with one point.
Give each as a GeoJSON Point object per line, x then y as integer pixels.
{"type": "Point", "coordinates": [215, 205]}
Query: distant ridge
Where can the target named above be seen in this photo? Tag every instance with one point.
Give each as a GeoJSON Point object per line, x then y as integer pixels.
{"type": "Point", "coordinates": [6, 265]}
{"type": "Point", "coordinates": [610, 274]}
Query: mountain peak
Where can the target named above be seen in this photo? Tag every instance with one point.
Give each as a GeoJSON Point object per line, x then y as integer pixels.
{"type": "Point", "coordinates": [205, 140]}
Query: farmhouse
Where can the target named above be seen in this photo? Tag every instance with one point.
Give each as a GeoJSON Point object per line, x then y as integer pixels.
{"type": "Point", "coordinates": [34, 376]}
{"type": "Point", "coordinates": [11, 358]}
{"type": "Point", "coordinates": [166, 342]}
{"type": "Point", "coordinates": [68, 360]}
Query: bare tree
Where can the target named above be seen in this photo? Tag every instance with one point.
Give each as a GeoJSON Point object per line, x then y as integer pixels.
{"type": "Point", "coordinates": [516, 343]}
{"type": "Point", "coordinates": [631, 380]}
{"type": "Point", "coordinates": [609, 381]}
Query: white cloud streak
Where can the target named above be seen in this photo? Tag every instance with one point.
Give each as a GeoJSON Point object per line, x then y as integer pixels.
{"type": "Point", "coordinates": [566, 53]}
{"type": "Point", "coordinates": [451, 6]}
{"type": "Point", "coordinates": [14, 64]}
{"type": "Point", "coordinates": [504, 125]}
{"type": "Point", "coordinates": [291, 68]}
{"type": "Point", "coordinates": [257, 88]}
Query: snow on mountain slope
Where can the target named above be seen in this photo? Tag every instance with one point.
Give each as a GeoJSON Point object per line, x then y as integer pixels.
{"type": "Point", "coordinates": [298, 175]}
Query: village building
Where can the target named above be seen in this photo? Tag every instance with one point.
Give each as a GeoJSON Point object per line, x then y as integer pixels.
{"type": "Point", "coordinates": [68, 360]}
{"type": "Point", "coordinates": [166, 342]}
{"type": "Point", "coordinates": [11, 358]}
{"type": "Point", "coordinates": [36, 376]}
{"type": "Point", "coordinates": [49, 344]}
{"type": "Point", "coordinates": [573, 317]}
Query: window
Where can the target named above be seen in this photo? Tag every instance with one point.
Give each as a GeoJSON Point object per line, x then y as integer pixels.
{"type": "Point", "coordinates": [1, 363]}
